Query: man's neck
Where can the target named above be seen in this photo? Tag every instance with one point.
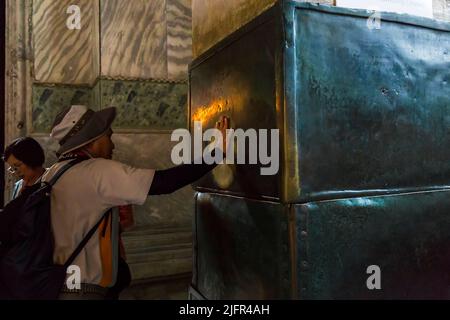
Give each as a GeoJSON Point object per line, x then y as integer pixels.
{"type": "Point", "coordinates": [88, 153]}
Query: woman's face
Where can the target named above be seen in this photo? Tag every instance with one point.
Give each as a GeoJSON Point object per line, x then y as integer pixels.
{"type": "Point", "coordinates": [18, 168]}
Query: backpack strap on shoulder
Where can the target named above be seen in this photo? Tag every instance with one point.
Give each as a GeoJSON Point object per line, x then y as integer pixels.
{"type": "Point", "coordinates": [63, 170]}
{"type": "Point", "coordinates": [86, 239]}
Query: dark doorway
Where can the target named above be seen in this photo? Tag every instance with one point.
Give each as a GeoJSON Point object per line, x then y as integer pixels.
{"type": "Point", "coordinates": [2, 95]}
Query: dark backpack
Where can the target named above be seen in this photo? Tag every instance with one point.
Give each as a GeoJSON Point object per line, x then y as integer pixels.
{"type": "Point", "coordinates": [27, 270]}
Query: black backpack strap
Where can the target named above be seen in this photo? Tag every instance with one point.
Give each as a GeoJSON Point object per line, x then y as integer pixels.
{"type": "Point", "coordinates": [63, 170]}
{"type": "Point", "coordinates": [83, 243]}
{"type": "Point", "coordinates": [91, 232]}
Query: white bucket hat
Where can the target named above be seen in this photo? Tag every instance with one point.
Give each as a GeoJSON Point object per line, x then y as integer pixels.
{"type": "Point", "coordinates": [78, 125]}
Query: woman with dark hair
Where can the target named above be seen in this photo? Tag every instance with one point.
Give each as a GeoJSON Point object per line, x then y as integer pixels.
{"type": "Point", "coordinates": [25, 158]}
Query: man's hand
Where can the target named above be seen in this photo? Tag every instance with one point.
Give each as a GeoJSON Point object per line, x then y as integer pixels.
{"type": "Point", "coordinates": [223, 124]}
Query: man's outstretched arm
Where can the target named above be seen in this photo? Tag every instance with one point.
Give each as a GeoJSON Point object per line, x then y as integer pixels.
{"type": "Point", "coordinates": [170, 180]}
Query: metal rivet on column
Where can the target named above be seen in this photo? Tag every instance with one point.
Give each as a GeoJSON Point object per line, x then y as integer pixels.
{"type": "Point", "coordinates": [304, 265]}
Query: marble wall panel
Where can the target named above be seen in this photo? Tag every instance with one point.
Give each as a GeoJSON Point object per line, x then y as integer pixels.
{"type": "Point", "coordinates": [48, 101]}
{"type": "Point", "coordinates": [179, 38]}
{"type": "Point", "coordinates": [145, 105]}
{"type": "Point", "coordinates": [62, 54]}
{"type": "Point", "coordinates": [133, 38]}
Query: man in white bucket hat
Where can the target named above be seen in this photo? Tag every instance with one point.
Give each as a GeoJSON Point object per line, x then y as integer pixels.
{"type": "Point", "coordinates": [87, 192]}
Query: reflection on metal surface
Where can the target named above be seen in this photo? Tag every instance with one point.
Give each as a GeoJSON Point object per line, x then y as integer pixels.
{"type": "Point", "coordinates": [357, 116]}
{"type": "Point", "coordinates": [405, 234]}
{"type": "Point", "coordinates": [213, 20]}
{"type": "Point", "coordinates": [211, 112]}
{"type": "Point", "coordinates": [363, 119]}
{"type": "Point", "coordinates": [243, 248]}
{"type": "Point", "coordinates": [245, 88]}
{"type": "Point", "coordinates": [224, 175]}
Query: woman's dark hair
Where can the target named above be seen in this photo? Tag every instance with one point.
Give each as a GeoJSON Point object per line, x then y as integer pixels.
{"type": "Point", "coordinates": [27, 150]}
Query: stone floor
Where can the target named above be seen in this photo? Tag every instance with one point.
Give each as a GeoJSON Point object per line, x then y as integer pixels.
{"type": "Point", "coordinates": [173, 288]}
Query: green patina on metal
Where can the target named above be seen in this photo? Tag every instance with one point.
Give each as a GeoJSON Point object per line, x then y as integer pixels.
{"type": "Point", "coordinates": [360, 110]}
{"type": "Point", "coordinates": [244, 248]}
{"type": "Point", "coordinates": [406, 235]}
{"type": "Point", "coordinates": [376, 101]}
{"type": "Point", "coordinates": [364, 117]}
